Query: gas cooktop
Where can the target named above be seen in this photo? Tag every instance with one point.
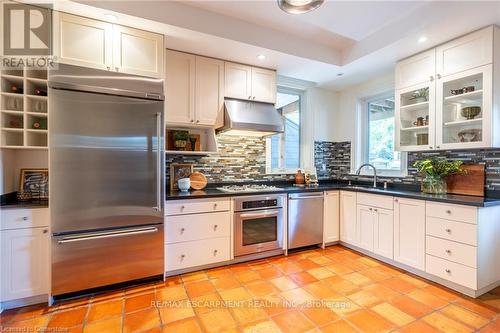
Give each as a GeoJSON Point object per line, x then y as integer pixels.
{"type": "Point", "coordinates": [248, 188]}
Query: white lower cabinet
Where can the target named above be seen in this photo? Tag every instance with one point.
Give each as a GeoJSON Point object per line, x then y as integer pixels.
{"type": "Point", "coordinates": [348, 220]}
{"type": "Point", "coordinates": [366, 227]}
{"type": "Point", "coordinates": [409, 232]}
{"type": "Point", "coordinates": [383, 240]}
{"type": "Point", "coordinates": [197, 233]}
{"type": "Point", "coordinates": [331, 232]}
{"type": "Point", "coordinates": [24, 254]}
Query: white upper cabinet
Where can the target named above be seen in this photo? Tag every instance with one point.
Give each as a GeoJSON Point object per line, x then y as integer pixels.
{"type": "Point", "coordinates": [416, 70]}
{"type": "Point", "coordinates": [263, 85]}
{"type": "Point", "coordinates": [194, 90]}
{"type": "Point", "coordinates": [409, 232]}
{"type": "Point", "coordinates": [470, 51]}
{"type": "Point", "coordinates": [331, 231]}
{"type": "Point", "coordinates": [137, 51]}
{"type": "Point", "coordinates": [96, 44]}
{"type": "Point", "coordinates": [250, 83]}
{"type": "Point", "coordinates": [461, 104]}
{"type": "Point", "coordinates": [238, 81]}
{"type": "Point", "coordinates": [83, 42]}
{"type": "Point", "coordinates": [209, 91]}
{"type": "Point", "coordinates": [179, 88]}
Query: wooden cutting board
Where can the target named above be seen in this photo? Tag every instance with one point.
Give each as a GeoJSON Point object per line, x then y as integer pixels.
{"type": "Point", "coordinates": [198, 180]}
{"type": "Point", "coordinates": [471, 183]}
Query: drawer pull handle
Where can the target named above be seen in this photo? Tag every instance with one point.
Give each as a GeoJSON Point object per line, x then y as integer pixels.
{"type": "Point", "coordinates": [396, 200]}
{"type": "Point", "coordinates": [448, 211]}
{"type": "Point", "coordinates": [448, 231]}
{"type": "Point", "coordinates": [215, 253]}
{"type": "Point", "coordinates": [183, 256]}
{"type": "Point", "coordinates": [215, 206]}
{"type": "Point", "coordinates": [375, 209]}
{"type": "Point", "coordinates": [448, 251]}
{"type": "Point", "coordinates": [182, 207]}
{"type": "Point", "coordinates": [215, 227]}
{"type": "Point", "coordinates": [25, 218]}
{"type": "Point", "coordinates": [182, 230]}
{"type": "Point", "coordinates": [447, 271]}
{"type": "Point", "coordinates": [45, 231]}
{"type": "Point", "coordinates": [371, 208]}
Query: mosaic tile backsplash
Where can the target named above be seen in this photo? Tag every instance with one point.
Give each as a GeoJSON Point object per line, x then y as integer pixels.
{"type": "Point", "coordinates": [240, 159]}
{"type": "Point", "coordinates": [243, 159]}
{"type": "Point", "coordinates": [333, 160]}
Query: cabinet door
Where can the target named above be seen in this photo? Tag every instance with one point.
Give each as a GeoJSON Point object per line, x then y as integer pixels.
{"type": "Point", "coordinates": [409, 232]}
{"type": "Point", "coordinates": [418, 69]}
{"type": "Point", "coordinates": [209, 91]}
{"type": "Point", "coordinates": [464, 53]}
{"type": "Point", "coordinates": [238, 81]}
{"type": "Point", "coordinates": [180, 88]}
{"type": "Point", "coordinates": [331, 218]}
{"type": "Point", "coordinates": [383, 243]}
{"type": "Point", "coordinates": [263, 85]}
{"type": "Point", "coordinates": [348, 229]}
{"type": "Point", "coordinates": [366, 227]}
{"type": "Point", "coordinates": [83, 42]}
{"type": "Point", "coordinates": [415, 114]}
{"type": "Point", "coordinates": [25, 263]}
{"type": "Point", "coordinates": [464, 119]}
{"type": "Point", "coordinates": [137, 51]}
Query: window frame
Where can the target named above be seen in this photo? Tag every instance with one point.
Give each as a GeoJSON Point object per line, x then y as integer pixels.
{"type": "Point", "coordinates": [363, 145]}
{"type": "Point", "coordinates": [282, 171]}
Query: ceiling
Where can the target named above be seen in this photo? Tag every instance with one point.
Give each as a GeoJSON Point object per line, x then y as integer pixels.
{"type": "Point", "coordinates": [358, 39]}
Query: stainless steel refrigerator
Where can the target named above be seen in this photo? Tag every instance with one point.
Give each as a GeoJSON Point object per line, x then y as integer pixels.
{"type": "Point", "coordinates": [106, 152]}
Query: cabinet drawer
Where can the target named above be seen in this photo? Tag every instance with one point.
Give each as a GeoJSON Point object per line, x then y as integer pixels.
{"type": "Point", "coordinates": [451, 230]}
{"type": "Point", "coordinates": [182, 228]}
{"type": "Point", "coordinates": [373, 200]}
{"type": "Point", "coordinates": [452, 212]}
{"type": "Point", "coordinates": [197, 253]}
{"type": "Point", "coordinates": [460, 274]}
{"type": "Point", "coordinates": [13, 218]}
{"type": "Point", "coordinates": [452, 251]}
{"type": "Point", "coordinates": [196, 206]}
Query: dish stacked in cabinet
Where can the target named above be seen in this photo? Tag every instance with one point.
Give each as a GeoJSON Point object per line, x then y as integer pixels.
{"type": "Point", "coordinates": [197, 233]}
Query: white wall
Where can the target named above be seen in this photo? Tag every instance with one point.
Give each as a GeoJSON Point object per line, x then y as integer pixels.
{"type": "Point", "coordinates": [11, 163]}
{"type": "Point", "coordinates": [347, 118]}
{"type": "Point", "coordinates": [322, 105]}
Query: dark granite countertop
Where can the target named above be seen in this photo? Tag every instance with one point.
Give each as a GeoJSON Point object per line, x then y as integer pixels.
{"type": "Point", "coordinates": [410, 192]}
{"type": "Point", "coordinates": [9, 200]}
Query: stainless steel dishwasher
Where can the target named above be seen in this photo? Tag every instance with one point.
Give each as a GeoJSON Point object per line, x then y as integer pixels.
{"type": "Point", "coordinates": [305, 219]}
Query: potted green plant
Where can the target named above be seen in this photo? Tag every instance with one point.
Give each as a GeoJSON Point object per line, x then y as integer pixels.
{"type": "Point", "coordinates": [420, 95]}
{"type": "Point", "coordinates": [180, 139]}
{"type": "Point", "coordinates": [434, 172]}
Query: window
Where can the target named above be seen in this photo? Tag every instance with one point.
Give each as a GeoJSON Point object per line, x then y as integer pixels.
{"type": "Point", "coordinates": [283, 150]}
{"type": "Point", "coordinates": [379, 142]}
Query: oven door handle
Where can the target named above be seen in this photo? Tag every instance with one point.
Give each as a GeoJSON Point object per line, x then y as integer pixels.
{"type": "Point", "coordinates": [265, 213]}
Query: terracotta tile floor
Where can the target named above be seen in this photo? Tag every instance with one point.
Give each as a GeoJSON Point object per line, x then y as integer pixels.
{"type": "Point", "coordinates": [331, 290]}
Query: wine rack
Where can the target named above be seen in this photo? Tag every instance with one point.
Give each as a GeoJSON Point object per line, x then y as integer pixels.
{"type": "Point", "coordinates": [23, 109]}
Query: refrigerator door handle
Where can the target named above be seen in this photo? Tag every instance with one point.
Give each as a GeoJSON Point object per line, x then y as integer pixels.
{"type": "Point", "coordinates": [158, 163]}
{"type": "Point", "coordinates": [107, 234]}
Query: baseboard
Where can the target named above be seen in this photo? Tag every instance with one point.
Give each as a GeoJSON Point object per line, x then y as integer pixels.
{"type": "Point", "coordinates": [17, 303]}
{"type": "Point", "coordinates": [461, 289]}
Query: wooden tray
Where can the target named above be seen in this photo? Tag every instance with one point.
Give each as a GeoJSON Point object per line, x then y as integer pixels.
{"type": "Point", "coordinates": [471, 183]}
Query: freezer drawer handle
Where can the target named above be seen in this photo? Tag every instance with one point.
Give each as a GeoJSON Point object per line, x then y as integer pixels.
{"type": "Point", "coordinates": [122, 233]}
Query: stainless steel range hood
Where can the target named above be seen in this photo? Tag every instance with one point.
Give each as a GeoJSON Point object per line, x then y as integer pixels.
{"type": "Point", "coordinates": [250, 118]}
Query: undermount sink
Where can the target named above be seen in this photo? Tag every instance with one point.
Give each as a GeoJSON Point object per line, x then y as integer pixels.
{"type": "Point", "coordinates": [365, 188]}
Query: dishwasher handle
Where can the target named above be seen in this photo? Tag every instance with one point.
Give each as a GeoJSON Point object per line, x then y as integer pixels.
{"type": "Point", "coordinates": [297, 196]}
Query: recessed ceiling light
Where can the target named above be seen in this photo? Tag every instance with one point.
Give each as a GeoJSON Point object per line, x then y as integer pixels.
{"type": "Point", "coordinates": [111, 17]}
{"type": "Point", "coordinates": [422, 39]}
{"type": "Point", "coordinates": [299, 6]}
{"type": "Point", "coordinates": [261, 57]}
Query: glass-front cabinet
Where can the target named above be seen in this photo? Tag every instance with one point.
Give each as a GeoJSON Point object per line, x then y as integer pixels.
{"type": "Point", "coordinates": [464, 105]}
{"type": "Point", "coordinates": [415, 117]}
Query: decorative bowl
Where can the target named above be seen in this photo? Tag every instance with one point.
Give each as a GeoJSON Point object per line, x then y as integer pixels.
{"type": "Point", "coordinates": [470, 135]}
{"type": "Point", "coordinates": [470, 112]}
{"type": "Point", "coordinates": [184, 184]}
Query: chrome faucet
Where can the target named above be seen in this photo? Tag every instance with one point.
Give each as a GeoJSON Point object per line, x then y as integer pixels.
{"type": "Point", "coordinates": [374, 172]}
